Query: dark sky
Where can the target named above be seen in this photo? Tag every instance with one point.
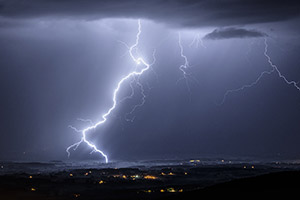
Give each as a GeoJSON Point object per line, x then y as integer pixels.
{"type": "Point", "coordinates": [61, 60]}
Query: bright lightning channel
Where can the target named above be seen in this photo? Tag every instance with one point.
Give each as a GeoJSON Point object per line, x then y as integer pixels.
{"type": "Point", "coordinates": [274, 68]}
{"type": "Point", "coordinates": [137, 73]}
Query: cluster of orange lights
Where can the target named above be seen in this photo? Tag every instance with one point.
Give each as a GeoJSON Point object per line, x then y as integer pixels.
{"type": "Point", "coordinates": [252, 167]}
{"type": "Point", "coordinates": [194, 161]}
{"type": "Point", "coordinates": [167, 174]}
{"type": "Point", "coordinates": [150, 177]}
{"type": "Point", "coordinates": [172, 190]}
{"type": "Point", "coordinates": [134, 177]}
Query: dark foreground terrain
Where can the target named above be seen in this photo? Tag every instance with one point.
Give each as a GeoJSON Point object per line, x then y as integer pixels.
{"type": "Point", "coordinates": [181, 181]}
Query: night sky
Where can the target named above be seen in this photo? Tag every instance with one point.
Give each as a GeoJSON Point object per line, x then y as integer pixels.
{"type": "Point", "coordinates": [60, 61]}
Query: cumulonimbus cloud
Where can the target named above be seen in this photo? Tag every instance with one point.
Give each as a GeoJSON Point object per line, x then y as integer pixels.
{"type": "Point", "coordinates": [232, 32]}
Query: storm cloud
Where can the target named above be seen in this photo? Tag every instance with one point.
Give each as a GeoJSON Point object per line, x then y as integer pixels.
{"type": "Point", "coordinates": [227, 33]}
{"type": "Point", "coordinates": [189, 13]}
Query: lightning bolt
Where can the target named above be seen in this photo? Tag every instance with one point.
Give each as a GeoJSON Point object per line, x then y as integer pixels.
{"type": "Point", "coordinates": [143, 67]}
{"type": "Point", "coordinates": [183, 68]}
{"type": "Point", "coordinates": [293, 83]}
{"type": "Point", "coordinates": [273, 69]}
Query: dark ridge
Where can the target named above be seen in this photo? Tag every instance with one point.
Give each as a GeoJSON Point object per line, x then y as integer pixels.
{"type": "Point", "coordinates": [285, 183]}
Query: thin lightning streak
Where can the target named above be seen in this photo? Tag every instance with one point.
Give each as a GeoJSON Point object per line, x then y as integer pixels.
{"type": "Point", "coordinates": [74, 129]}
{"type": "Point", "coordinates": [138, 105]}
{"type": "Point", "coordinates": [154, 60]}
{"type": "Point", "coordinates": [74, 147]}
{"type": "Point", "coordinates": [184, 66]}
{"type": "Point", "coordinates": [274, 68]}
{"type": "Point", "coordinates": [85, 120]}
{"type": "Point", "coordinates": [138, 61]}
{"type": "Point", "coordinates": [246, 86]}
{"type": "Point", "coordinates": [186, 76]}
{"type": "Point", "coordinates": [142, 92]}
{"type": "Point", "coordinates": [132, 91]}
{"type": "Point", "coordinates": [196, 41]}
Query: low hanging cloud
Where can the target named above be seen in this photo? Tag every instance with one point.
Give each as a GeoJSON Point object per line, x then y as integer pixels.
{"type": "Point", "coordinates": [228, 33]}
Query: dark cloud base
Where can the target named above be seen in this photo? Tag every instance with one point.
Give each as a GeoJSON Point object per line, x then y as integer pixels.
{"type": "Point", "coordinates": [227, 33]}
{"type": "Point", "coordinates": [188, 13]}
